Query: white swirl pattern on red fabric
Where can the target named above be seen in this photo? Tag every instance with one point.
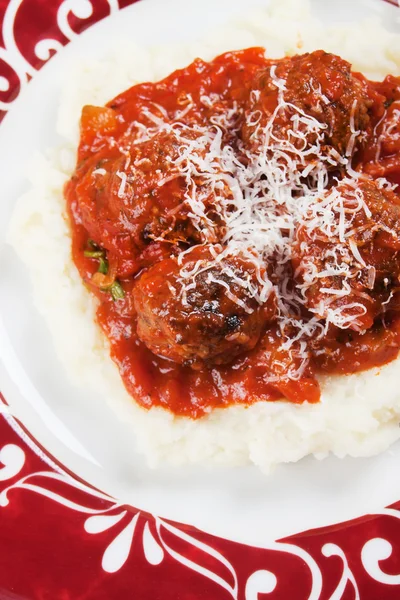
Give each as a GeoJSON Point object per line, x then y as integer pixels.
{"type": "Point", "coordinates": [13, 458]}
{"type": "Point", "coordinates": [373, 552]}
{"type": "Point", "coordinates": [329, 550]}
{"type": "Point", "coordinates": [117, 552]}
{"type": "Point", "coordinates": [14, 57]}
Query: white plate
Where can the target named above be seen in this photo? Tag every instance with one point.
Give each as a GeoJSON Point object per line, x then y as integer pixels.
{"type": "Point", "coordinates": [80, 429]}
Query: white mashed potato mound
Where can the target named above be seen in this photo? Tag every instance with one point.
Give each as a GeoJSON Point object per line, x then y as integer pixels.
{"type": "Point", "coordinates": [359, 415]}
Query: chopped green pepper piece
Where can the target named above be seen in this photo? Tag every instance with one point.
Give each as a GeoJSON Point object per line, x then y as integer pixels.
{"type": "Point", "coordinates": [117, 291]}
{"type": "Point", "coordinates": [97, 252]}
{"type": "Point", "coordinates": [103, 266]}
{"type": "Point", "coordinates": [93, 253]}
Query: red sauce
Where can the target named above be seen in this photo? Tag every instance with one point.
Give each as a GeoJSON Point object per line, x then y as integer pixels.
{"type": "Point", "coordinates": [97, 213]}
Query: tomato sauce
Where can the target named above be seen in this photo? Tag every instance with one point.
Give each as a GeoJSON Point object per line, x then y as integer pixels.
{"type": "Point", "coordinates": [112, 242]}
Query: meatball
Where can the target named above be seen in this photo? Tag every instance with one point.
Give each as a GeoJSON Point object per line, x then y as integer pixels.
{"type": "Point", "coordinates": [137, 194]}
{"type": "Point", "coordinates": [320, 85]}
{"type": "Point", "coordinates": [382, 157]}
{"type": "Point", "coordinates": [128, 200]}
{"type": "Point", "coordinates": [348, 277]}
{"type": "Point", "coordinates": [211, 320]}
{"type": "Point", "coordinates": [384, 220]}
{"type": "Point", "coordinates": [389, 138]}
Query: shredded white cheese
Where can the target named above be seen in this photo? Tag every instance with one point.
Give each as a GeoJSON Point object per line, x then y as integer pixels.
{"type": "Point", "coordinates": [121, 191]}
{"type": "Point", "coordinates": [99, 172]}
{"type": "Point", "coordinates": [264, 193]}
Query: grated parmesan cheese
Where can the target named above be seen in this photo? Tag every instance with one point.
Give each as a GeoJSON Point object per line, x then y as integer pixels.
{"type": "Point", "coordinates": [263, 195]}
{"type": "Point", "coordinates": [123, 177]}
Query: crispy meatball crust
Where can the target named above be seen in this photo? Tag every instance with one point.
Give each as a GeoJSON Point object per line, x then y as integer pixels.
{"type": "Point", "coordinates": [212, 322]}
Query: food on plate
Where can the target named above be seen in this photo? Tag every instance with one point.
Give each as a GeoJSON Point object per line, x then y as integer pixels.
{"type": "Point", "coordinates": [211, 323]}
{"type": "Point", "coordinates": [224, 212]}
{"type": "Point", "coordinates": [235, 234]}
{"type": "Point", "coordinates": [320, 86]}
{"type": "Point", "coordinates": [350, 277]}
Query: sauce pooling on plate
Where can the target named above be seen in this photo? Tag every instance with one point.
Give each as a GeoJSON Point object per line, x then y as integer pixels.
{"type": "Point", "coordinates": [239, 224]}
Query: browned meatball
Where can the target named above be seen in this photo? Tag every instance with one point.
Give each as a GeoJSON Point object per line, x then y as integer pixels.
{"type": "Point", "coordinates": [347, 277]}
{"type": "Point", "coordinates": [139, 195]}
{"type": "Point", "coordinates": [144, 195]}
{"type": "Point", "coordinates": [212, 322]}
{"type": "Point", "coordinates": [319, 84]}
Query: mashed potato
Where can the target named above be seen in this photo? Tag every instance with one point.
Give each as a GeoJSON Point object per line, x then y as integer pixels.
{"type": "Point", "coordinates": [359, 415]}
